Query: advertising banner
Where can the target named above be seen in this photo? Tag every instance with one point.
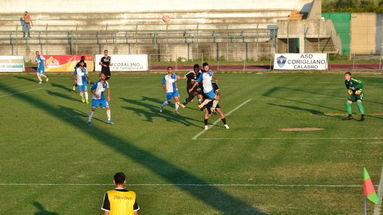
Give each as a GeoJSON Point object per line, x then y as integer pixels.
{"type": "Point", "coordinates": [126, 63]}
{"type": "Point", "coordinates": [11, 64]}
{"type": "Point", "coordinates": [306, 61]}
{"type": "Point", "coordinates": [66, 63]}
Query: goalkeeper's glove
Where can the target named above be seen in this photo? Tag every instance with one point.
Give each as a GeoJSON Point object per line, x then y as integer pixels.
{"type": "Point", "coordinates": [350, 92]}
{"type": "Point", "coordinates": [358, 92]}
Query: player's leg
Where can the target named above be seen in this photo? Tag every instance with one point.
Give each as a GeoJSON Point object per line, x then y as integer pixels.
{"type": "Point", "coordinates": [86, 94]}
{"type": "Point", "coordinates": [215, 102]}
{"type": "Point", "coordinates": [92, 110]}
{"type": "Point", "coordinates": [206, 119]}
{"type": "Point", "coordinates": [349, 110]}
{"type": "Point", "coordinates": [38, 77]}
{"type": "Point", "coordinates": [169, 97]}
{"type": "Point", "coordinates": [108, 115]}
{"type": "Point", "coordinates": [361, 109]}
{"type": "Point", "coordinates": [190, 98]}
{"type": "Point", "coordinates": [177, 104]}
{"type": "Point", "coordinates": [42, 74]}
{"type": "Point", "coordinates": [222, 116]}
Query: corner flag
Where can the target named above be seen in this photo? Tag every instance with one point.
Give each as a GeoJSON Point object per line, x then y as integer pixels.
{"type": "Point", "coordinates": [368, 188]}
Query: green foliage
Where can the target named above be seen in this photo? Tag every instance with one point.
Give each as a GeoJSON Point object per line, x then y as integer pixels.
{"type": "Point", "coordinates": [374, 6]}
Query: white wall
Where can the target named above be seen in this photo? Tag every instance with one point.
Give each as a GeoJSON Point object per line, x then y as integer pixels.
{"type": "Point", "coordinates": [12, 6]}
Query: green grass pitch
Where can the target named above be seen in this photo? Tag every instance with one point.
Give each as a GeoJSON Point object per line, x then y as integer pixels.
{"type": "Point", "coordinates": [51, 162]}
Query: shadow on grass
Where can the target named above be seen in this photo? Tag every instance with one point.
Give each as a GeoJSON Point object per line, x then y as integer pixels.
{"type": "Point", "coordinates": [26, 78]}
{"type": "Point", "coordinates": [312, 111]}
{"type": "Point", "coordinates": [210, 195]}
{"type": "Point", "coordinates": [42, 210]}
{"type": "Point", "coordinates": [61, 87]}
{"type": "Point", "coordinates": [274, 89]}
{"type": "Point", "coordinates": [53, 93]}
{"type": "Point", "coordinates": [151, 111]}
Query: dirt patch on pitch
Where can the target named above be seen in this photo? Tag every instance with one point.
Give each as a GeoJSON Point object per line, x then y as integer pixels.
{"type": "Point", "coordinates": [302, 129]}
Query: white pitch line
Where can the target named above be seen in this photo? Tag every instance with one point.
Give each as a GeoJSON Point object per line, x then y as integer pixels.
{"type": "Point", "coordinates": [286, 138]}
{"type": "Point", "coordinates": [204, 185]}
{"type": "Point", "coordinates": [227, 114]}
{"type": "Point", "coordinates": [25, 91]}
{"type": "Point", "coordinates": [378, 207]}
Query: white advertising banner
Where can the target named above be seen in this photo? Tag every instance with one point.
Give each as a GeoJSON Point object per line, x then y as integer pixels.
{"type": "Point", "coordinates": [306, 61]}
{"type": "Point", "coordinates": [125, 63]}
{"type": "Point", "coordinates": [11, 64]}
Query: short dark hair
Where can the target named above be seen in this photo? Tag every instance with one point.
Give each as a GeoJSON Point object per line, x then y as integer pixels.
{"type": "Point", "coordinates": [348, 73]}
{"type": "Point", "coordinates": [169, 67]}
{"type": "Point", "coordinates": [196, 66]}
{"type": "Point", "coordinates": [119, 178]}
{"type": "Point", "coordinates": [205, 64]}
{"type": "Point", "coordinates": [106, 50]}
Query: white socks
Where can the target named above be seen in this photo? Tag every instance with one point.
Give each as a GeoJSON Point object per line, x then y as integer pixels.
{"type": "Point", "coordinates": [108, 114]}
{"type": "Point", "coordinates": [177, 105]}
{"type": "Point", "coordinates": [90, 116]}
{"type": "Point", "coordinates": [86, 96]}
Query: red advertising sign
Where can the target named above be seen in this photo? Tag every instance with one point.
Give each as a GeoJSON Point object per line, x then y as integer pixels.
{"type": "Point", "coordinates": [66, 63]}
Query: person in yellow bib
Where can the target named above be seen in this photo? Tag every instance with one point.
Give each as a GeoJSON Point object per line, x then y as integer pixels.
{"type": "Point", "coordinates": [120, 201]}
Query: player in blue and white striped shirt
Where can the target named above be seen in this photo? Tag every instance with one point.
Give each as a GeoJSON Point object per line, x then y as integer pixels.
{"type": "Point", "coordinates": [81, 78]}
{"type": "Point", "coordinates": [169, 83]}
{"type": "Point", "coordinates": [40, 61]}
{"type": "Point", "coordinates": [99, 99]}
{"type": "Point", "coordinates": [207, 82]}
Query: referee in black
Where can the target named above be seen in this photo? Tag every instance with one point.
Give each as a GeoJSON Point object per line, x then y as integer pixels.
{"type": "Point", "coordinates": [105, 63]}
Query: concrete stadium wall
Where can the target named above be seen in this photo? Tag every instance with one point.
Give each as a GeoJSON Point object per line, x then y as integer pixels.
{"type": "Point", "coordinates": [71, 6]}
{"type": "Point", "coordinates": [363, 33]}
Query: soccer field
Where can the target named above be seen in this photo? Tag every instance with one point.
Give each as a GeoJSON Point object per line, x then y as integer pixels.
{"type": "Point", "coordinates": [53, 163]}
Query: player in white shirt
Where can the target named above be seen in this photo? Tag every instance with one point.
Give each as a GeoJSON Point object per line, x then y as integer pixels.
{"type": "Point", "coordinates": [81, 78]}
{"type": "Point", "coordinates": [99, 99]}
{"type": "Point", "coordinates": [207, 82]}
{"type": "Point", "coordinates": [40, 72]}
{"type": "Point", "coordinates": [169, 83]}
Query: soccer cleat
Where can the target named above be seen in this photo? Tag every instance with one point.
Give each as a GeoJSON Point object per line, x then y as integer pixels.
{"type": "Point", "coordinates": [40, 82]}
{"type": "Point", "coordinates": [110, 122]}
{"type": "Point", "coordinates": [87, 102]}
{"type": "Point", "coordinates": [182, 105]}
{"type": "Point", "coordinates": [160, 109]}
{"type": "Point", "coordinates": [349, 117]}
{"type": "Point", "coordinates": [206, 127]}
{"type": "Point", "coordinates": [226, 126]}
{"type": "Point", "coordinates": [177, 112]}
{"type": "Point", "coordinates": [47, 79]}
{"type": "Point", "coordinates": [89, 123]}
{"type": "Point", "coordinates": [362, 118]}
{"type": "Point", "coordinates": [74, 88]}
{"type": "Point", "coordinates": [83, 100]}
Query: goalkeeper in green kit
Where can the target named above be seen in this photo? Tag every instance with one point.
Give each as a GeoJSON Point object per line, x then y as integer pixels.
{"type": "Point", "coordinates": [355, 90]}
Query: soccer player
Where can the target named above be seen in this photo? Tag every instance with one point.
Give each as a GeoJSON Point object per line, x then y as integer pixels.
{"type": "Point", "coordinates": [207, 84]}
{"type": "Point", "coordinates": [40, 61]}
{"type": "Point", "coordinates": [81, 78]}
{"type": "Point", "coordinates": [99, 99]}
{"type": "Point", "coordinates": [78, 65]}
{"type": "Point", "coordinates": [217, 108]}
{"type": "Point", "coordinates": [169, 83]}
{"type": "Point", "coordinates": [120, 201]}
{"type": "Point", "coordinates": [355, 90]}
{"type": "Point", "coordinates": [105, 63]}
{"type": "Point", "coordinates": [191, 77]}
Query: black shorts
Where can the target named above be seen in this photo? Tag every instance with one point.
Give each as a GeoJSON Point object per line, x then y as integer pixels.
{"type": "Point", "coordinates": [106, 72]}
